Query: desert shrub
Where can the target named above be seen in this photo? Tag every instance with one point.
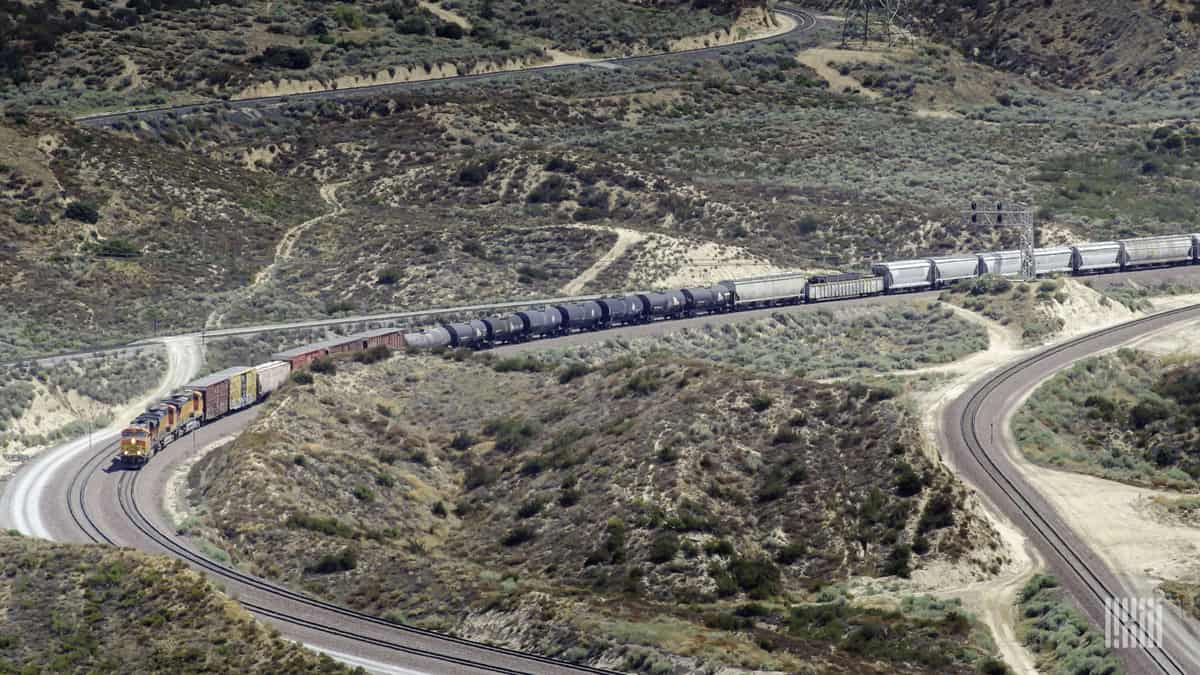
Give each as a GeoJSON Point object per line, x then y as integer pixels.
{"type": "Point", "coordinates": [439, 510]}
{"type": "Point", "coordinates": [327, 526]}
{"type": "Point", "coordinates": [331, 563]}
{"type": "Point", "coordinates": [574, 369]}
{"type": "Point", "coordinates": [760, 402]}
{"type": "Point", "coordinates": [477, 173]}
{"type": "Point", "coordinates": [278, 56]}
{"type": "Point", "coordinates": [462, 440]}
{"type": "Point", "coordinates": [450, 31]}
{"type": "Point", "coordinates": [663, 548]}
{"type": "Point", "coordinates": [720, 547]}
{"type": "Point", "coordinates": [478, 475]}
{"type": "Point", "coordinates": [302, 377]}
{"type": "Point", "coordinates": [82, 212]}
{"type": "Point", "coordinates": [527, 364]}
{"type": "Point", "coordinates": [118, 248]}
{"type": "Point", "coordinates": [791, 553]}
{"type": "Point", "coordinates": [937, 514]}
{"type": "Point", "coordinates": [552, 190]}
{"type": "Point", "coordinates": [374, 354]}
{"type": "Point", "coordinates": [517, 536]}
{"type": "Point", "coordinates": [363, 493]}
{"type": "Point", "coordinates": [388, 277]}
{"type": "Point", "coordinates": [324, 366]}
{"type": "Point", "coordinates": [530, 508]}
{"type": "Point", "coordinates": [413, 25]}
{"type": "Point", "coordinates": [908, 482]}
{"type": "Point", "coordinates": [757, 577]}
{"type": "Point", "coordinates": [898, 562]}
{"type": "Point", "coordinates": [511, 433]}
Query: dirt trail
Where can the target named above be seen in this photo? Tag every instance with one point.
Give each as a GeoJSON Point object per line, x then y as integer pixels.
{"type": "Point", "coordinates": [625, 239]}
{"type": "Point", "coordinates": [283, 251]}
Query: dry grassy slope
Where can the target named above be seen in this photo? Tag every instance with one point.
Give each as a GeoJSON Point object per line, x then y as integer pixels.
{"type": "Point", "coordinates": [1079, 43]}
{"type": "Point", "coordinates": [201, 228]}
{"type": "Point", "coordinates": [640, 496]}
{"type": "Point", "coordinates": [66, 608]}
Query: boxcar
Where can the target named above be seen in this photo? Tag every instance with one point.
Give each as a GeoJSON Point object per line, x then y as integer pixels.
{"type": "Point", "coordinates": [776, 289]}
{"type": "Point", "coordinates": [299, 357]}
{"type": "Point", "coordinates": [1157, 250]}
{"type": "Point", "coordinates": [271, 376]}
{"type": "Point", "coordinates": [226, 390]}
{"type": "Point", "coordinates": [1098, 256]}
{"type": "Point", "coordinates": [386, 337]}
{"type": "Point", "coordinates": [1000, 263]}
{"type": "Point", "coordinates": [838, 286]}
{"type": "Point", "coordinates": [904, 274]}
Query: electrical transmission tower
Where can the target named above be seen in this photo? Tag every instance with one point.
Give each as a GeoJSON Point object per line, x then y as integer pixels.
{"type": "Point", "coordinates": [1009, 215]}
{"type": "Point", "coordinates": [887, 14]}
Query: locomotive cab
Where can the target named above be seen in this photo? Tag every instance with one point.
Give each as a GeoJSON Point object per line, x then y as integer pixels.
{"type": "Point", "coordinates": [135, 445]}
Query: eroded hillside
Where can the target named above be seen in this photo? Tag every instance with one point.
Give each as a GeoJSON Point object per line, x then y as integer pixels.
{"type": "Point", "coordinates": [567, 511]}
{"type": "Point", "coordinates": [70, 608]}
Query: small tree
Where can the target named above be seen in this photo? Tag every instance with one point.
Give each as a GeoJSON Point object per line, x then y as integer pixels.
{"type": "Point", "coordinates": [82, 212]}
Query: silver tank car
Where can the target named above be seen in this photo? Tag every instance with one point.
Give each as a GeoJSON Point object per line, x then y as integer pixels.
{"type": "Point", "coordinates": [507, 328]}
{"type": "Point", "coordinates": [1099, 256]}
{"type": "Point", "coordinates": [776, 289]}
{"type": "Point", "coordinates": [626, 309]}
{"type": "Point", "coordinates": [1000, 263]}
{"type": "Point", "coordinates": [540, 321]}
{"type": "Point", "coordinates": [1157, 250]}
{"type": "Point", "coordinates": [469, 334]}
{"type": "Point", "coordinates": [580, 315]}
{"type": "Point", "coordinates": [949, 269]}
{"type": "Point", "coordinates": [905, 274]}
{"type": "Point", "coordinates": [431, 338]}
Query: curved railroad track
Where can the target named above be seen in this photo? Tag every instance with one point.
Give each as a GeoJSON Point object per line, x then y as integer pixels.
{"type": "Point", "coordinates": [410, 646]}
{"type": "Point", "coordinates": [804, 22]}
{"type": "Point", "coordinates": [968, 432]}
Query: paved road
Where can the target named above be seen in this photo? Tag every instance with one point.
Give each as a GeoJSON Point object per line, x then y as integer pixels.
{"type": "Point", "coordinates": [983, 458]}
{"type": "Point", "coordinates": [804, 22]}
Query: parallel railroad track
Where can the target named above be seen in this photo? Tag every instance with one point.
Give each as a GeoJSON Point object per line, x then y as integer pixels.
{"type": "Point", "coordinates": [1161, 659]}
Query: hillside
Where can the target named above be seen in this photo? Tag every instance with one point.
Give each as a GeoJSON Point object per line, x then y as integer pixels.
{"type": "Point", "coordinates": [74, 608]}
{"type": "Point", "coordinates": [638, 515]}
{"type": "Point", "coordinates": [1130, 416]}
{"type": "Point", "coordinates": [95, 55]}
{"type": "Point", "coordinates": [1077, 43]}
{"type": "Point", "coordinates": [103, 238]}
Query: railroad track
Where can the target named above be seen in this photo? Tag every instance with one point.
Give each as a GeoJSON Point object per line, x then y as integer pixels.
{"type": "Point", "coordinates": [1089, 577]}
{"type": "Point", "coordinates": [804, 22]}
{"type": "Point", "coordinates": [126, 484]}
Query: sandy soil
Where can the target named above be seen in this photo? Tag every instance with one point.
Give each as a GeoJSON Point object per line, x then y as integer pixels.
{"type": "Point", "coordinates": [1085, 312]}
{"type": "Point", "coordinates": [1179, 340]}
{"type": "Point", "coordinates": [674, 262]}
{"type": "Point", "coordinates": [283, 250]}
{"type": "Point", "coordinates": [751, 24]}
{"type": "Point", "coordinates": [445, 14]}
{"type": "Point", "coordinates": [819, 58]}
{"type": "Point", "coordinates": [625, 239]}
{"type": "Point", "coordinates": [175, 501]}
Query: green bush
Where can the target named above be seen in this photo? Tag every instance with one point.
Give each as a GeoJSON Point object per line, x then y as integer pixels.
{"type": "Point", "coordinates": [574, 369]}
{"type": "Point", "coordinates": [327, 526]}
{"type": "Point", "coordinates": [324, 365]}
{"type": "Point", "coordinates": [462, 440]}
{"type": "Point", "coordinates": [117, 248]}
{"type": "Point", "coordinates": [339, 562]}
{"type": "Point", "coordinates": [374, 354]}
{"type": "Point", "coordinates": [530, 508]}
{"type": "Point", "coordinates": [664, 547]}
{"type": "Point", "coordinates": [898, 562]}
{"type": "Point", "coordinates": [757, 577]}
{"type": "Point", "coordinates": [760, 402]}
{"type": "Point", "coordinates": [82, 212]}
{"type": "Point", "coordinates": [518, 536]}
{"type": "Point", "coordinates": [511, 433]}
{"type": "Point", "coordinates": [278, 56]}
{"type": "Point", "coordinates": [302, 377]}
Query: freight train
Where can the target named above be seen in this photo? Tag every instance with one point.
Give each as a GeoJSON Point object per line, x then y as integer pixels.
{"type": "Point", "coordinates": [214, 396]}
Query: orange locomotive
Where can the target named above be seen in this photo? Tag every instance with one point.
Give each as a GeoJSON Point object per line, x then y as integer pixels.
{"type": "Point", "coordinates": [160, 424]}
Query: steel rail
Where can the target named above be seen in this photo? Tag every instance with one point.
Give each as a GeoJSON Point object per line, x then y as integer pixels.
{"type": "Point", "coordinates": [1162, 659]}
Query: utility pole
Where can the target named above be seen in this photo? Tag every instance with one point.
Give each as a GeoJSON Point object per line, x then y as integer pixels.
{"type": "Point", "coordinates": [1008, 215]}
